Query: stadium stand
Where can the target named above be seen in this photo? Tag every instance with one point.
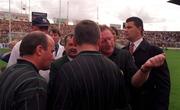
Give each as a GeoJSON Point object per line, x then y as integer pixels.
{"type": "Point", "coordinates": [158, 38]}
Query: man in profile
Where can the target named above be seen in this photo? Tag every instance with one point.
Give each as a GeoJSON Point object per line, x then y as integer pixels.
{"type": "Point", "coordinates": [21, 86]}
{"type": "Point", "coordinates": [154, 93]}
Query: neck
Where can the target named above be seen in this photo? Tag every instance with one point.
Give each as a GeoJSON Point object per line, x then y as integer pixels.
{"type": "Point", "coordinates": [87, 47]}
{"type": "Point", "coordinates": [30, 59]}
{"type": "Point", "coordinates": [136, 39]}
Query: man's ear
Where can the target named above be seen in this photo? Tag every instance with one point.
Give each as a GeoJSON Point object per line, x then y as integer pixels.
{"type": "Point", "coordinates": [141, 29]}
{"type": "Point", "coordinates": [39, 50]}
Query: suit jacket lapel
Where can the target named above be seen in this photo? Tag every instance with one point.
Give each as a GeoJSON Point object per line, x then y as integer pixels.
{"type": "Point", "coordinates": [142, 46]}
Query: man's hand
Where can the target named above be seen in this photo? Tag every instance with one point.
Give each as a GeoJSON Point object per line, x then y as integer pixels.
{"type": "Point", "coordinates": [155, 61]}
{"type": "Point", "coordinates": [142, 74]}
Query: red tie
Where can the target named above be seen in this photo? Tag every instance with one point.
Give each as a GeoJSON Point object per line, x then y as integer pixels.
{"type": "Point", "coordinates": [131, 48]}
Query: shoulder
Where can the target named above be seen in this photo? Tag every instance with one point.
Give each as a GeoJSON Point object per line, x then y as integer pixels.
{"type": "Point", "coordinates": [17, 46]}
{"type": "Point", "coordinates": [155, 50]}
{"type": "Point", "coordinates": [25, 76]}
{"type": "Point", "coordinates": [121, 53]}
{"type": "Point", "coordinates": [60, 61]}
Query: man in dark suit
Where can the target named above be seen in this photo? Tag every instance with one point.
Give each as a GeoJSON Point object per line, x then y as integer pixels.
{"type": "Point", "coordinates": [154, 94]}
{"type": "Point", "coordinates": [70, 53]}
{"type": "Point", "coordinates": [90, 81]}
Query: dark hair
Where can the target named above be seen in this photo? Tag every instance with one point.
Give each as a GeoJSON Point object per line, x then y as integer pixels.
{"type": "Point", "coordinates": [137, 22]}
{"type": "Point", "coordinates": [54, 30]}
{"type": "Point", "coordinates": [87, 31]}
{"type": "Point", "coordinates": [64, 39]}
{"type": "Point", "coordinates": [70, 35]}
{"type": "Point", "coordinates": [31, 41]}
{"type": "Point", "coordinates": [104, 27]}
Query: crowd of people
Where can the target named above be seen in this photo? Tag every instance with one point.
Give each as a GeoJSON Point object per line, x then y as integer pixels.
{"type": "Point", "coordinates": [158, 38]}
{"type": "Point", "coordinates": [85, 70]}
{"type": "Point", "coordinates": [18, 28]}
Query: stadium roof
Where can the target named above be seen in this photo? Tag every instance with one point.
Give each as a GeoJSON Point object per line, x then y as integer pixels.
{"type": "Point", "coordinates": [177, 2]}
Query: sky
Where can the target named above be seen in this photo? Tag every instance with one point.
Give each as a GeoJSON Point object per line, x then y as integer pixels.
{"type": "Point", "coordinates": [157, 15]}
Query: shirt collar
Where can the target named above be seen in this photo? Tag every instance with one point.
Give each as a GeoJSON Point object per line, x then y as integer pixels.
{"type": "Point", "coordinates": [89, 53]}
{"type": "Point", "coordinates": [22, 61]}
{"type": "Point", "coordinates": [70, 59]}
{"type": "Point", "coordinates": [136, 43]}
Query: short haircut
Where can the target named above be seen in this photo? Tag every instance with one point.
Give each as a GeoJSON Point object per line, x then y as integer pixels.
{"type": "Point", "coordinates": [104, 27]}
{"type": "Point", "coordinates": [54, 30]}
{"type": "Point", "coordinates": [137, 22]}
{"type": "Point", "coordinates": [87, 31]}
{"type": "Point", "coordinates": [31, 41]}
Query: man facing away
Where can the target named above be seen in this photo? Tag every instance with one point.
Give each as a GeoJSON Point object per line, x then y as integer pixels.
{"type": "Point", "coordinates": [21, 86]}
{"type": "Point", "coordinates": [90, 81]}
{"type": "Point", "coordinates": [154, 93]}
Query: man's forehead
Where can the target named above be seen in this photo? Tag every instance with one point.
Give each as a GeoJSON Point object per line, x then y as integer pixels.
{"type": "Point", "coordinates": [131, 23]}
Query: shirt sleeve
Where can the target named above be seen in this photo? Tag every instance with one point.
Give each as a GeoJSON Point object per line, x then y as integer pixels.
{"type": "Point", "coordinates": [14, 54]}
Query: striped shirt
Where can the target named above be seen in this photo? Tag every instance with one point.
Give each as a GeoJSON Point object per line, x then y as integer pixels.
{"type": "Point", "coordinates": [89, 82]}
{"type": "Point", "coordinates": [22, 88]}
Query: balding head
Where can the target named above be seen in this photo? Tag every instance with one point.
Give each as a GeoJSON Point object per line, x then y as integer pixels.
{"type": "Point", "coordinates": [38, 47]}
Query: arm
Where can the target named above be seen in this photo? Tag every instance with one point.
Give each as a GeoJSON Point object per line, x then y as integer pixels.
{"type": "Point", "coordinates": [14, 54]}
{"type": "Point", "coordinates": [143, 73]}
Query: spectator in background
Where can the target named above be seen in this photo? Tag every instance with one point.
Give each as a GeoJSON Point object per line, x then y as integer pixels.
{"type": "Point", "coordinates": [21, 86]}
{"type": "Point", "coordinates": [70, 53]}
{"type": "Point", "coordinates": [116, 35]}
{"type": "Point", "coordinates": [114, 31]}
{"type": "Point", "coordinates": [5, 56]}
{"type": "Point", "coordinates": [154, 94]}
{"type": "Point", "coordinates": [12, 44]}
{"type": "Point", "coordinates": [55, 34]}
{"type": "Point", "coordinates": [38, 24]}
